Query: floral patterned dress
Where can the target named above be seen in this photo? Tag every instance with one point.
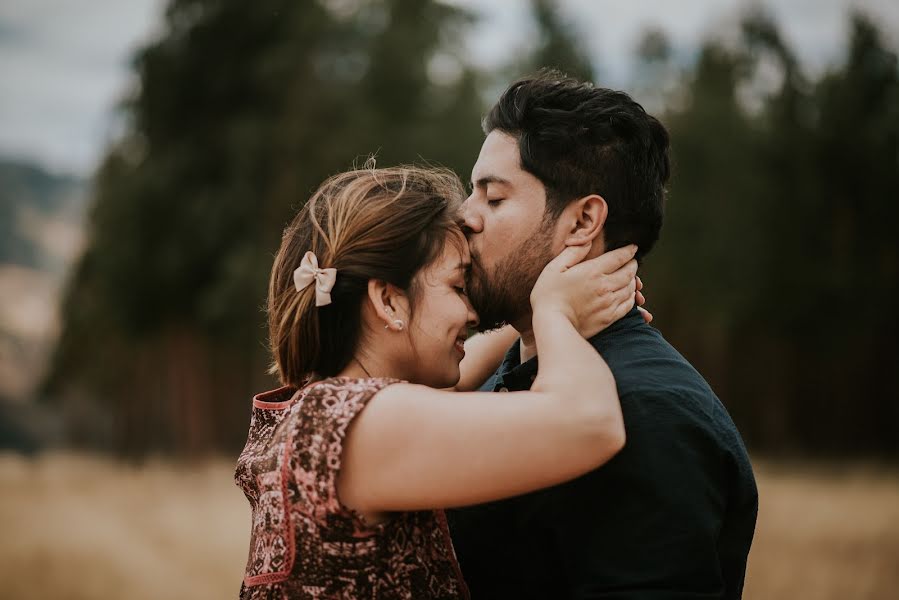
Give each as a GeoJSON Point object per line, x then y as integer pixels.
{"type": "Point", "coordinates": [306, 544]}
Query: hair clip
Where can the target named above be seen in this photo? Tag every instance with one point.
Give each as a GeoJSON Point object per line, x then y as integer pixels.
{"type": "Point", "coordinates": [308, 272]}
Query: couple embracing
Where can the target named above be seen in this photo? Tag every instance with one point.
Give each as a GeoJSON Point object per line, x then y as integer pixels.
{"type": "Point", "coordinates": [570, 453]}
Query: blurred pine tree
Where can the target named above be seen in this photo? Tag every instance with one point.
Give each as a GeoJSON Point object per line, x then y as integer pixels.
{"type": "Point", "coordinates": [241, 110]}
{"type": "Point", "coordinates": [775, 274]}
{"type": "Point", "coordinates": [778, 266]}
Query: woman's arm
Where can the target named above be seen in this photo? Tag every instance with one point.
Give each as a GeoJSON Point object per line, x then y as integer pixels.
{"type": "Point", "coordinates": [414, 447]}
{"type": "Point", "coordinates": [483, 354]}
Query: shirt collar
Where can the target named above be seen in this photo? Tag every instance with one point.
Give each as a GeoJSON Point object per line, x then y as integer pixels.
{"type": "Point", "coordinates": [514, 374]}
{"type": "Point", "coordinates": [629, 321]}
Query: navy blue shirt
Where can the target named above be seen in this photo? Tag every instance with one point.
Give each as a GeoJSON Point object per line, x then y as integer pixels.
{"type": "Point", "coordinates": [671, 516]}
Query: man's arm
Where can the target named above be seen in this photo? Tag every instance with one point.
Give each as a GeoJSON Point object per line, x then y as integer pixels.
{"type": "Point", "coordinates": [647, 523]}
{"type": "Point", "coordinates": [483, 354]}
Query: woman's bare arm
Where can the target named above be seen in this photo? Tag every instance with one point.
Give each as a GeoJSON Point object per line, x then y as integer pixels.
{"type": "Point", "coordinates": [414, 447]}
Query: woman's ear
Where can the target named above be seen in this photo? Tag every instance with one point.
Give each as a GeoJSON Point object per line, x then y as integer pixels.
{"type": "Point", "coordinates": [587, 217]}
{"type": "Point", "coordinates": [388, 302]}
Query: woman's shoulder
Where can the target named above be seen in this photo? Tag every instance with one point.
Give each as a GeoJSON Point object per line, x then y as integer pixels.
{"type": "Point", "coordinates": [315, 436]}
{"type": "Point", "coordinates": [348, 386]}
{"type": "Point", "coordinates": [328, 405]}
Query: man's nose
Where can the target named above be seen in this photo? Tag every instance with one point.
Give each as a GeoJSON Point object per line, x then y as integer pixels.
{"type": "Point", "coordinates": [471, 219]}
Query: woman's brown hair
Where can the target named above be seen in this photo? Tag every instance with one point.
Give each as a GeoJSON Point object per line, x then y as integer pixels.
{"type": "Point", "coordinates": [369, 223]}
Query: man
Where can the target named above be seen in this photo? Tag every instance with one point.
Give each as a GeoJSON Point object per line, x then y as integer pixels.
{"type": "Point", "coordinates": [673, 514]}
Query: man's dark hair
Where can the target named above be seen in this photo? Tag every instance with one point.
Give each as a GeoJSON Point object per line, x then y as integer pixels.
{"type": "Point", "coordinates": [578, 140]}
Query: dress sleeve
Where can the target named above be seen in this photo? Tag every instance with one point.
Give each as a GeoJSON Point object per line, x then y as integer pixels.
{"type": "Point", "coordinates": [315, 446]}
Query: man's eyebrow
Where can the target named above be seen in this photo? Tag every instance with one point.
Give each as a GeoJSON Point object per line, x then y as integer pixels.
{"type": "Point", "coordinates": [488, 179]}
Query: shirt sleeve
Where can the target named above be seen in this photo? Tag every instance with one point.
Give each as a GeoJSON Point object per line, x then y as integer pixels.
{"type": "Point", "coordinates": [662, 500]}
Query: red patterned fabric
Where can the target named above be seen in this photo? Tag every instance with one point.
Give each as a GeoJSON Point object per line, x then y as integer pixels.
{"type": "Point", "coordinates": [304, 543]}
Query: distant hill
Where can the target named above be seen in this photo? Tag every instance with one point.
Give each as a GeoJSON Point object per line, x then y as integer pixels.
{"type": "Point", "coordinates": [29, 197]}
{"type": "Point", "coordinates": [41, 235]}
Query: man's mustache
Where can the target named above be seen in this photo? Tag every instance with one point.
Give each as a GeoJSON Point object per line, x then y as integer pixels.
{"type": "Point", "coordinates": [476, 265]}
{"type": "Point", "coordinates": [473, 254]}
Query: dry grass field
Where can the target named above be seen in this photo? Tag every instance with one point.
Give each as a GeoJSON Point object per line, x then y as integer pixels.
{"type": "Point", "coordinates": [79, 528]}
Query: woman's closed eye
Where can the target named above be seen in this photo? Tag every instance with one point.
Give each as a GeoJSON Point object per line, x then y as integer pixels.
{"type": "Point", "coordinates": [494, 201]}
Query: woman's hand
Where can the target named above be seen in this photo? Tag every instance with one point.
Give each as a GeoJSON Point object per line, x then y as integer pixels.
{"type": "Point", "coordinates": [592, 294]}
{"type": "Point", "coordinates": [641, 300]}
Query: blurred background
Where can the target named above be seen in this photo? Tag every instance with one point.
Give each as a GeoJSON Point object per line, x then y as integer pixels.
{"type": "Point", "coordinates": [152, 151]}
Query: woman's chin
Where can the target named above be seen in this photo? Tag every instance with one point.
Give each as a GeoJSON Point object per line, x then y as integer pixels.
{"type": "Point", "coordinates": [448, 381]}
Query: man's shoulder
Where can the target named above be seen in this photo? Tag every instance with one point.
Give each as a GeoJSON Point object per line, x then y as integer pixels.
{"type": "Point", "coordinates": [643, 361]}
{"type": "Point", "coordinates": [658, 387]}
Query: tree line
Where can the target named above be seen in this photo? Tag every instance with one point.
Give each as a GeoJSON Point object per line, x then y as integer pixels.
{"type": "Point", "coordinates": [774, 275]}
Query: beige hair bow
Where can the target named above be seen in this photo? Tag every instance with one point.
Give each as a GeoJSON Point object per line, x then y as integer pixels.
{"type": "Point", "coordinates": [308, 272]}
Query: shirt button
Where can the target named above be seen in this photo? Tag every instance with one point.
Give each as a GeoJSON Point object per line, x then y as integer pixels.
{"type": "Point", "coordinates": [504, 389]}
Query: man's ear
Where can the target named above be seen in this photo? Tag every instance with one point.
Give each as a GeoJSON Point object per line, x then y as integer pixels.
{"type": "Point", "coordinates": [586, 217]}
{"type": "Point", "coordinates": [388, 302]}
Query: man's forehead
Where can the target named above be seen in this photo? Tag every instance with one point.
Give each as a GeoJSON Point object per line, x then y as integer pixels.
{"type": "Point", "coordinates": [498, 162]}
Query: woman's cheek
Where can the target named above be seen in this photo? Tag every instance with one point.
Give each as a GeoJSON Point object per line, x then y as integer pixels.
{"type": "Point", "coordinates": [463, 312]}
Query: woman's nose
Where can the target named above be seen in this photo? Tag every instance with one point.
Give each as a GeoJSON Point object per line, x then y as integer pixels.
{"type": "Point", "coordinates": [473, 319]}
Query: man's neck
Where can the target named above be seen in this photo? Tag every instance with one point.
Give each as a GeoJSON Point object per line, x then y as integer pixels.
{"type": "Point", "coordinates": [528, 345]}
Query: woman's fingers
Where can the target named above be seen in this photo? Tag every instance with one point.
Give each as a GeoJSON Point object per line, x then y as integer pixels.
{"type": "Point", "coordinates": [571, 256]}
{"type": "Point", "coordinates": [605, 307]}
{"type": "Point", "coordinates": [641, 299]}
{"type": "Point", "coordinates": [618, 310]}
{"type": "Point", "coordinates": [599, 291]}
{"type": "Point", "coordinates": [623, 307]}
{"type": "Point", "coordinates": [622, 277]}
{"type": "Point", "coordinates": [557, 287]}
{"type": "Point", "coordinates": [625, 294]}
{"type": "Point", "coordinates": [615, 259]}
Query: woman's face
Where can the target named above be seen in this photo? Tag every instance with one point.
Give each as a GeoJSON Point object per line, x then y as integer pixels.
{"type": "Point", "coordinates": [442, 316]}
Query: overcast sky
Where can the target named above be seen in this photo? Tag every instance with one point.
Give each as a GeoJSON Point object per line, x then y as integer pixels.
{"type": "Point", "coordinates": [65, 63]}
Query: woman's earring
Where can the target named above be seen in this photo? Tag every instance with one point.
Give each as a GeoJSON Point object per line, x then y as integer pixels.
{"type": "Point", "coordinates": [400, 324]}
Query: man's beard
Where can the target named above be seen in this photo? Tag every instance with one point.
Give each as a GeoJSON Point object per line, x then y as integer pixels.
{"type": "Point", "coordinates": [504, 295]}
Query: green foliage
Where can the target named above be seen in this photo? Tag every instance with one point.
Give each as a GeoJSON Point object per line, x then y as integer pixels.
{"type": "Point", "coordinates": [242, 109]}
{"type": "Point", "coordinates": [556, 46]}
{"type": "Point", "coordinates": [774, 275]}
{"type": "Point", "coordinates": [778, 263]}
{"type": "Point", "coordinates": [25, 187]}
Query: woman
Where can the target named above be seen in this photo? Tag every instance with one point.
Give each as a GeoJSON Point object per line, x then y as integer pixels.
{"type": "Point", "coordinates": [346, 464]}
